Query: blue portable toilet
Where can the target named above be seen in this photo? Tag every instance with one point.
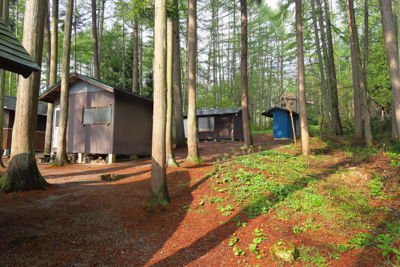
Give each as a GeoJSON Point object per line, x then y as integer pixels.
{"type": "Point", "coordinates": [282, 123]}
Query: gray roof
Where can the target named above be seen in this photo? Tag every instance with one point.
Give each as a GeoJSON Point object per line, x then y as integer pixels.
{"type": "Point", "coordinates": [10, 103]}
{"type": "Point", "coordinates": [54, 91]}
{"type": "Point", "coordinates": [13, 56]}
{"type": "Point", "coordinates": [215, 111]}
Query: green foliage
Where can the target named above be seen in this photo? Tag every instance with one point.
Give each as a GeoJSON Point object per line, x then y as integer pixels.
{"type": "Point", "coordinates": [376, 186]}
{"type": "Point", "coordinates": [361, 240]}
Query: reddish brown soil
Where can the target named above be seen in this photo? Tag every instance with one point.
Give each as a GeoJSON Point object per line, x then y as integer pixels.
{"type": "Point", "coordinates": [80, 221]}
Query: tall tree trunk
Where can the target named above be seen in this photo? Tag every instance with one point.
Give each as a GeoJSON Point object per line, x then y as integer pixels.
{"type": "Point", "coordinates": [332, 74]}
{"type": "Point", "coordinates": [395, 132]}
{"type": "Point", "coordinates": [53, 75]}
{"type": "Point", "coordinates": [47, 37]}
{"type": "Point", "coordinates": [389, 35]}
{"type": "Point", "coordinates": [140, 65]}
{"type": "Point", "coordinates": [4, 16]}
{"type": "Point", "coordinates": [325, 53]}
{"type": "Point", "coordinates": [22, 172]}
{"type": "Point", "coordinates": [135, 56]}
{"type": "Point", "coordinates": [179, 130]}
{"type": "Point", "coordinates": [234, 83]}
{"type": "Point", "coordinates": [170, 157]}
{"type": "Point", "coordinates": [159, 190]}
{"type": "Point", "coordinates": [305, 143]}
{"type": "Point", "coordinates": [209, 56]}
{"type": "Point", "coordinates": [358, 80]}
{"type": "Point", "coordinates": [244, 83]}
{"type": "Point", "coordinates": [75, 15]}
{"type": "Point", "coordinates": [101, 30]}
{"type": "Point", "coordinates": [193, 152]}
{"type": "Point", "coordinates": [61, 158]}
{"type": "Point", "coordinates": [16, 34]}
{"type": "Point", "coordinates": [95, 43]}
{"type": "Point", "coordinates": [123, 46]}
{"type": "Point", "coordinates": [321, 67]}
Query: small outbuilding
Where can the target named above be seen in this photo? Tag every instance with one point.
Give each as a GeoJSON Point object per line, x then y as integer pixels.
{"type": "Point", "coordinates": [8, 123]}
{"type": "Point", "coordinates": [102, 119]}
{"type": "Point", "coordinates": [282, 122]}
{"type": "Point", "coordinates": [218, 124]}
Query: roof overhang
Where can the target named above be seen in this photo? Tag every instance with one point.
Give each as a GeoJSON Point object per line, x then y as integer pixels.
{"type": "Point", "coordinates": [13, 56]}
{"type": "Point", "coordinates": [270, 113]}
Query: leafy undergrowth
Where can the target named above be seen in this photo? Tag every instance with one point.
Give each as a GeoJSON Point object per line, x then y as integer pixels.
{"type": "Point", "coordinates": [346, 202]}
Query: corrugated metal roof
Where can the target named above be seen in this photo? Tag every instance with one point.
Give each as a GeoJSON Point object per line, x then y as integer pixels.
{"type": "Point", "coordinates": [13, 56]}
{"type": "Point", "coordinates": [55, 88]}
{"type": "Point", "coordinates": [215, 111]}
{"type": "Point", "coordinates": [10, 103]}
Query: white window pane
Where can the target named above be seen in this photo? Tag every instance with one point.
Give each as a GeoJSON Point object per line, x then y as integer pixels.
{"type": "Point", "coordinates": [57, 118]}
{"type": "Point", "coordinates": [104, 115]}
{"type": "Point", "coordinates": [206, 124]}
{"type": "Point", "coordinates": [89, 115]}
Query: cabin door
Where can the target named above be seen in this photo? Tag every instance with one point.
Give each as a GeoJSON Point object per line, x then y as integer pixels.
{"type": "Point", "coordinates": [55, 127]}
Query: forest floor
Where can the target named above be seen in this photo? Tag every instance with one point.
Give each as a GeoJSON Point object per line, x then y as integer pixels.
{"type": "Point", "coordinates": [336, 206]}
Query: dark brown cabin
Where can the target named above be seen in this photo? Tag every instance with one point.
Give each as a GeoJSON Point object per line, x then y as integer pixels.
{"type": "Point", "coordinates": [102, 119]}
{"type": "Point", "coordinates": [218, 124]}
{"type": "Point", "coordinates": [8, 123]}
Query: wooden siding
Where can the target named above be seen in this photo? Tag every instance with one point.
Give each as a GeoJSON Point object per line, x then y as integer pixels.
{"type": "Point", "coordinates": [238, 127]}
{"type": "Point", "coordinates": [223, 125]}
{"type": "Point", "coordinates": [95, 138]}
{"type": "Point", "coordinates": [133, 126]}
{"type": "Point", "coordinates": [39, 140]}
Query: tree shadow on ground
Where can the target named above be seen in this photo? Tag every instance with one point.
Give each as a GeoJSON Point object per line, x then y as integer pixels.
{"type": "Point", "coordinates": [202, 245]}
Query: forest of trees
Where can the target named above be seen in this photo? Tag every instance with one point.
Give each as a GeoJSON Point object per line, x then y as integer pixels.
{"type": "Point", "coordinates": [271, 51]}
{"type": "Point", "coordinates": [333, 55]}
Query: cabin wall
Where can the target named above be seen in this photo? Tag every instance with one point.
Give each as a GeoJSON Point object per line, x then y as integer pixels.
{"type": "Point", "coordinates": [238, 127]}
{"type": "Point", "coordinates": [133, 126]}
{"type": "Point", "coordinates": [9, 117]}
{"type": "Point", "coordinates": [89, 138]}
{"type": "Point", "coordinates": [223, 128]}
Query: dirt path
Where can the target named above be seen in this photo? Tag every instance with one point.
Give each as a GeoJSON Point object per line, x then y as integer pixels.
{"type": "Point", "coordinates": [80, 221]}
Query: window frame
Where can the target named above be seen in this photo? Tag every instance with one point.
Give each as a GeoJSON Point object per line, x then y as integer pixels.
{"type": "Point", "coordinates": [95, 116]}
{"type": "Point", "coordinates": [208, 118]}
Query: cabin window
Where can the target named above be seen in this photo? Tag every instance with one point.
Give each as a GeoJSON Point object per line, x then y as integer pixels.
{"type": "Point", "coordinates": [97, 115]}
{"type": "Point", "coordinates": [206, 124]}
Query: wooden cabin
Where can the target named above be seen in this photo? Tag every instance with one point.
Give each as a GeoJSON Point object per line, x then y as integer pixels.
{"type": "Point", "coordinates": [218, 124]}
{"type": "Point", "coordinates": [282, 125]}
{"type": "Point", "coordinates": [291, 100]}
{"type": "Point", "coordinates": [102, 119]}
{"type": "Point", "coordinates": [8, 123]}
{"type": "Point", "coordinates": [377, 109]}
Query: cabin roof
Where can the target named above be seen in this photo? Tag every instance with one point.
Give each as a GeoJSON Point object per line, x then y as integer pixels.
{"type": "Point", "coordinates": [54, 91]}
{"type": "Point", "coordinates": [270, 112]}
{"type": "Point", "coordinates": [215, 111]}
{"type": "Point", "coordinates": [10, 103]}
{"type": "Point", "coordinates": [13, 56]}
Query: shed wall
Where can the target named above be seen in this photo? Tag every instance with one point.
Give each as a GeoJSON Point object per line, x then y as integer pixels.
{"type": "Point", "coordinates": [8, 120]}
{"type": "Point", "coordinates": [238, 127]}
{"type": "Point", "coordinates": [133, 126]}
{"type": "Point", "coordinates": [89, 138]}
{"type": "Point", "coordinates": [223, 126]}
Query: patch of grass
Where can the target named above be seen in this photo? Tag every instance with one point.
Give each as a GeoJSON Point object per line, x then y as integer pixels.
{"type": "Point", "coordinates": [311, 255]}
